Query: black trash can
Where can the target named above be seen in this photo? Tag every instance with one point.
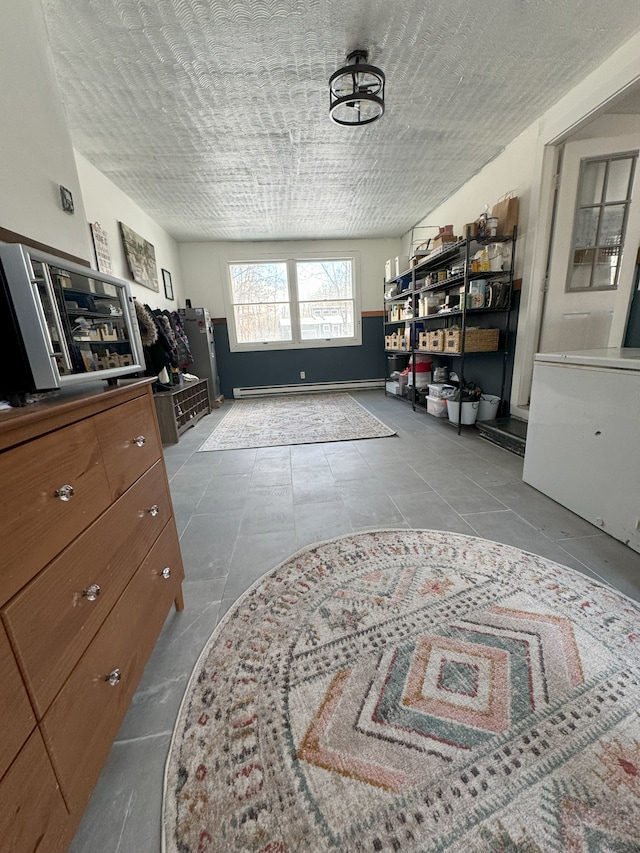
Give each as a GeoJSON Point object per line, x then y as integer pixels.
{"type": "Point", "coordinates": [396, 362]}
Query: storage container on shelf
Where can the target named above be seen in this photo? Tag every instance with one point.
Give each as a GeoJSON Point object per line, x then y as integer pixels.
{"type": "Point", "coordinates": [440, 390]}
{"type": "Point", "coordinates": [422, 370]}
{"type": "Point", "coordinates": [436, 407]}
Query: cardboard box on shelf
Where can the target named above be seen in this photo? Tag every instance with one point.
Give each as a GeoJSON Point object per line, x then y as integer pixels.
{"type": "Point", "coordinates": [444, 240]}
{"type": "Point", "coordinates": [417, 257]}
{"type": "Point", "coordinates": [388, 270]}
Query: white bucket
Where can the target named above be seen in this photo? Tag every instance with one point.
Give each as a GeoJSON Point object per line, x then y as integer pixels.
{"type": "Point", "coordinates": [488, 410]}
{"type": "Point", "coordinates": [469, 411]}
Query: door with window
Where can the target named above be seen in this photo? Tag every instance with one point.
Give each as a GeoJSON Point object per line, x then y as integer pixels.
{"type": "Point", "coordinates": [594, 245]}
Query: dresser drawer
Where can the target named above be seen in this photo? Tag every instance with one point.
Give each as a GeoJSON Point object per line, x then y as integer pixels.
{"type": "Point", "coordinates": [14, 706]}
{"type": "Point", "coordinates": [82, 722]}
{"type": "Point", "coordinates": [129, 441]}
{"type": "Point", "coordinates": [43, 825]}
{"type": "Point", "coordinates": [40, 522]}
{"type": "Point", "coordinates": [55, 617]}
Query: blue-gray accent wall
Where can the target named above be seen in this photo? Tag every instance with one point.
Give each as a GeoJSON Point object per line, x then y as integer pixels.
{"type": "Point", "coordinates": [367, 361]}
{"type": "Point", "coordinates": [282, 367]}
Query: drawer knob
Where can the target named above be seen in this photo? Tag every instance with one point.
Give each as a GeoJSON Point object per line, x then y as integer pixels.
{"type": "Point", "coordinates": [139, 440]}
{"type": "Point", "coordinates": [114, 677]}
{"type": "Point", "coordinates": [65, 493]}
{"type": "Point", "coordinates": [166, 573]}
{"type": "Point", "coordinates": [91, 592]}
{"type": "Point", "coordinates": [154, 510]}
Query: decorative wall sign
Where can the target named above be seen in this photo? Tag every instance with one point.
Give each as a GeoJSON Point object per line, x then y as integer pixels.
{"type": "Point", "coordinates": [168, 284]}
{"type": "Point", "coordinates": [101, 248]}
{"type": "Point", "coordinates": [66, 200]}
{"type": "Point", "coordinates": [141, 258]}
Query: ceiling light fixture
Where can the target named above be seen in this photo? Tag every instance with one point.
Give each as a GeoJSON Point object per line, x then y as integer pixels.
{"type": "Point", "coordinates": [356, 92]}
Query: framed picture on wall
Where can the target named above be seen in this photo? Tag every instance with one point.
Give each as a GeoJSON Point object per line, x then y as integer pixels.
{"type": "Point", "coordinates": [141, 258]}
{"type": "Point", "coordinates": [168, 284]}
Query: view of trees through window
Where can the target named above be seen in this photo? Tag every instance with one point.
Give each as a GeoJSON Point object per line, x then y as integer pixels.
{"type": "Point", "coordinates": [293, 301]}
{"type": "Point", "coordinates": [261, 307]}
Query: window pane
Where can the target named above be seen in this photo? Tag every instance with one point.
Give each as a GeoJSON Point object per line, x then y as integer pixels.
{"type": "Point", "coordinates": [605, 269]}
{"type": "Point", "coordinates": [581, 271]}
{"type": "Point", "coordinates": [324, 280]}
{"type": "Point", "coordinates": [260, 323]}
{"type": "Point", "coordinates": [618, 181]}
{"type": "Point", "coordinates": [592, 182]}
{"type": "Point", "coordinates": [587, 227]}
{"type": "Point", "coordinates": [611, 225]}
{"type": "Point", "coordinates": [259, 283]}
{"type": "Point", "coordinates": [326, 320]}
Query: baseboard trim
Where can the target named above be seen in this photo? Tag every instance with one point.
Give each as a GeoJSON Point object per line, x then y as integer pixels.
{"type": "Point", "coordinates": [307, 388]}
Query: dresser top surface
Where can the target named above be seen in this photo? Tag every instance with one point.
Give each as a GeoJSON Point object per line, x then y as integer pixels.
{"type": "Point", "coordinates": [60, 408]}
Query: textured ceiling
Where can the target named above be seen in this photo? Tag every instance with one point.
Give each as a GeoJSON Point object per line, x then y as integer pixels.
{"type": "Point", "coordinates": [213, 116]}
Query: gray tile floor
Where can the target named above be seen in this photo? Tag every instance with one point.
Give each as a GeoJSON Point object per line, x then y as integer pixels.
{"type": "Point", "coordinates": [241, 512]}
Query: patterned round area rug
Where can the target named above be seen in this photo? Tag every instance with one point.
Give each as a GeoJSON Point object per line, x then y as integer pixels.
{"type": "Point", "coordinates": [412, 691]}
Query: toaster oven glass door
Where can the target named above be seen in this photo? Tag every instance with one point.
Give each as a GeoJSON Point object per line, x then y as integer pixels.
{"type": "Point", "coordinates": [86, 319]}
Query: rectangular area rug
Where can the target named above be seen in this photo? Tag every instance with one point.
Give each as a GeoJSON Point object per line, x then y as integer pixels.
{"type": "Point", "coordinates": [297, 419]}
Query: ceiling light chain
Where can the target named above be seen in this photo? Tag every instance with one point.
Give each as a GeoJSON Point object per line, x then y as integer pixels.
{"type": "Point", "coordinates": [356, 92]}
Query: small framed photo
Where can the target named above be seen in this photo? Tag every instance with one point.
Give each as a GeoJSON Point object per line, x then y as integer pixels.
{"type": "Point", "coordinates": [168, 284]}
{"type": "Point", "coordinates": [66, 200]}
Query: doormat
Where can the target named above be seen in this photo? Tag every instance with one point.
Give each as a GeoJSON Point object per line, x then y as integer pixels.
{"type": "Point", "coordinates": [412, 690]}
{"type": "Point", "coordinates": [297, 419]}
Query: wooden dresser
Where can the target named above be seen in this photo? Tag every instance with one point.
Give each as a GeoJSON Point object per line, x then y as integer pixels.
{"type": "Point", "coordinates": [89, 569]}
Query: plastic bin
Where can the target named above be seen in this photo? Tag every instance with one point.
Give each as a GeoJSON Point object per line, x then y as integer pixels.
{"type": "Point", "coordinates": [441, 390]}
{"type": "Point", "coordinates": [437, 407]}
{"type": "Point", "coordinates": [469, 411]}
{"type": "Point", "coordinates": [488, 409]}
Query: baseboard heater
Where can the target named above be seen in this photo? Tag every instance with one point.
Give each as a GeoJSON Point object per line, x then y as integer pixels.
{"type": "Point", "coordinates": [307, 388]}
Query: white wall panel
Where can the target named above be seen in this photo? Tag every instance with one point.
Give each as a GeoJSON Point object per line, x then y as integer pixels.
{"type": "Point", "coordinates": [107, 204]}
{"type": "Point", "coordinates": [35, 148]}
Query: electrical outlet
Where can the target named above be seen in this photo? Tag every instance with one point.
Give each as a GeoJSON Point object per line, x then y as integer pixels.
{"type": "Point", "coordinates": [303, 375]}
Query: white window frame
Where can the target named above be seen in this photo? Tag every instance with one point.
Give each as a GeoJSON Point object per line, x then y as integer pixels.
{"type": "Point", "coordinates": [297, 341]}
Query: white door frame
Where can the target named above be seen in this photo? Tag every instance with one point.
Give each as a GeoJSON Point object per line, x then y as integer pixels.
{"type": "Point", "coordinates": [589, 99]}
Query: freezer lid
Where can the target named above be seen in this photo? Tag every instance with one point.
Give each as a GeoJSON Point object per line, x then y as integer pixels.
{"type": "Point", "coordinates": [611, 357]}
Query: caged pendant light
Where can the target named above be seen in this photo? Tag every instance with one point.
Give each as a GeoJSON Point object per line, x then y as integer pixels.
{"type": "Point", "coordinates": [356, 92]}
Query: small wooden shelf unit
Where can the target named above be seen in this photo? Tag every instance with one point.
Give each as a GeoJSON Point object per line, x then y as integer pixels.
{"type": "Point", "coordinates": [181, 408]}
